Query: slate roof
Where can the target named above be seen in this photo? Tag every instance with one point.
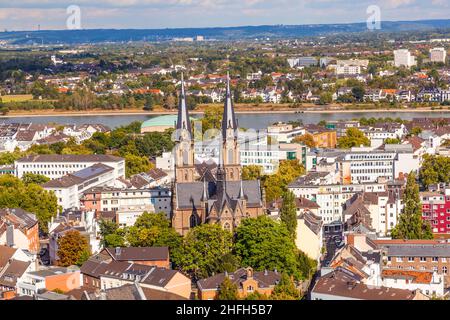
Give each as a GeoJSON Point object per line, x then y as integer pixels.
{"type": "Point", "coordinates": [265, 279]}
{"type": "Point", "coordinates": [418, 250]}
{"type": "Point", "coordinates": [78, 177]}
{"type": "Point", "coordinates": [13, 272]}
{"type": "Point", "coordinates": [18, 217]}
{"type": "Point", "coordinates": [189, 194]}
{"type": "Point", "coordinates": [6, 253]}
{"type": "Point", "coordinates": [343, 285]}
{"type": "Point", "coordinates": [139, 253]}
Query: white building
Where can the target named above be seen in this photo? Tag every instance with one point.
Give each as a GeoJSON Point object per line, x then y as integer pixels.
{"type": "Point", "coordinates": [320, 188]}
{"type": "Point", "coordinates": [438, 55]}
{"type": "Point", "coordinates": [429, 283]}
{"type": "Point", "coordinates": [56, 166]}
{"type": "Point", "coordinates": [69, 188]}
{"type": "Point", "coordinates": [403, 58]}
{"type": "Point", "coordinates": [370, 165]}
{"type": "Point", "coordinates": [284, 133]}
{"type": "Point", "coordinates": [128, 204]}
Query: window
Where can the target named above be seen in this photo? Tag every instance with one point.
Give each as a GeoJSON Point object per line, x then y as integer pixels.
{"type": "Point", "coordinates": [227, 226]}
{"type": "Point", "coordinates": [444, 270]}
{"type": "Point", "coordinates": [410, 259]}
{"type": "Point", "coordinates": [423, 259]}
{"type": "Point", "coordinates": [435, 259]}
{"type": "Point", "coordinates": [250, 288]}
{"type": "Point", "coordinates": [193, 221]}
{"type": "Point", "coordinates": [399, 259]}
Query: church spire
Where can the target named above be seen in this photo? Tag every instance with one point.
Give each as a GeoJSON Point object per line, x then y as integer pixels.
{"type": "Point", "coordinates": [229, 118]}
{"type": "Point", "coordinates": [183, 121]}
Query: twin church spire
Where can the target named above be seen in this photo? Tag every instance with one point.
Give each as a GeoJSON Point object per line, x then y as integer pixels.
{"type": "Point", "coordinates": [229, 156]}
{"type": "Point", "coordinates": [229, 120]}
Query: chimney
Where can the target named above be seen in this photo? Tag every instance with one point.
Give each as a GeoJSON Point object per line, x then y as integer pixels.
{"type": "Point", "coordinates": [10, 236]}
{"type": "Point", "coordinates": [118, 251]}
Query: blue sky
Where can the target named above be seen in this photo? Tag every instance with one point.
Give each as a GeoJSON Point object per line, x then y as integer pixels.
{"type": "Point", "coordinates": [51, 14]}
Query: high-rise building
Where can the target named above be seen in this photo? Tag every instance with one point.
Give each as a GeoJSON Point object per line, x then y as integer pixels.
{"type": "Point", "coordinates": [438, 55]}
{"type": "Point", "coordinates": [403, 58]}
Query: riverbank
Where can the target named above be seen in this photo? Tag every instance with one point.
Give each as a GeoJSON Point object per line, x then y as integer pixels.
{"type": "Point", "coordinates": [129, 112]}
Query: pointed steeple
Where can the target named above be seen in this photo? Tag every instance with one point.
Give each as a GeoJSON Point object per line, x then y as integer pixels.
{"type": "Point", "coordinates": [183, 121]}
{"type": "Point", "coordinates": [229, 118]}
{"type": "Point", "coordinates": [205, 191]}
{"type": "Point", "coordinates": [241, 192]}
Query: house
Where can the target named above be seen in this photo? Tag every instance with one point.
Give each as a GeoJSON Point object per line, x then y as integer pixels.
{"type": "Point", "coordinates": [429, 283]}
{"type": "Point", "coordinates": [135, 291]}
{"type": "Point", "coordinates": [246, 280]}
{"type": "Point", "coordinates": [309, 234]}
{"type": "Point", "coordinates": [50, 278]}
{"type": "Point", "coordinates": [150, 256]}
{"type": "Point", "coordinates": [101, 273]}
{"type": "Point", "coordinates": [14, 263]}
{"type": "Point", "coordinates": [19, 229]}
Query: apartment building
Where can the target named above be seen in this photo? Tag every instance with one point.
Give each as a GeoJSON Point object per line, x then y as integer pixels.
{"type": "Point", "coordinates": [127, 204]}
{"type": "Point", "coordinates": [55, 166]}
{"type": "Point", "coordinates": [330, 196]}
{"type": "Point", "coordinates": [365, 165]}
{"type": "Point", "coordinates": [403, 58]}
{"type": "Point", "coordinates": [419, 255]}
{"type": "Point", "coordinates": [436, 210]}
{"type": "Point", "coordinates": [438, 55]}
{"type": "Point", "coordinates": [284, 133]}
{"type": "Point", "coordinates": [381, 209]}
{"type": "Point", "coordinates": [69, 188]}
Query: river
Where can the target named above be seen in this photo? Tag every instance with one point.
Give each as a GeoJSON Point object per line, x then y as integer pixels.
{"type": "Point", "coordinates": [246, 120]}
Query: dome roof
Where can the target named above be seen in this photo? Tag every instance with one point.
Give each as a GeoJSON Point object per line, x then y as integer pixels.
{"type": "Point", "coordinates": [166, 121]}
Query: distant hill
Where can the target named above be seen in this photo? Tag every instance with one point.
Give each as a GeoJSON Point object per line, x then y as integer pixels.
{"type": "Point", "coordinates": [225, 33]}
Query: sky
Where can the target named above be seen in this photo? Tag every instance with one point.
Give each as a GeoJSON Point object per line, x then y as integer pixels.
{"type": "Point", "coordinates": [151, 14]}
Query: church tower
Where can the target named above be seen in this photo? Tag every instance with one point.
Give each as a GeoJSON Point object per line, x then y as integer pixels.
{"type": "Point", "coordinates": [184, 148]}
{"type": "Point", "coordinates": [230, 146]}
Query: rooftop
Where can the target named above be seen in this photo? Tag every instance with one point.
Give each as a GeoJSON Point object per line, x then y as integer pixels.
{"type": "Point", "coordinates": [70, 158]}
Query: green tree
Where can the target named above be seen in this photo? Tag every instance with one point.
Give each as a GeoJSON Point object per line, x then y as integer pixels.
{"type": "Point", "coordinates": [435, 169]}
{"type": "Point", "coordinates": [392, 141]}
{"type": "Point", "coordinates": [358, 93]}
{"type": "Point", "coordinates": [14, 193]}
{"type": "Point", "coordinates": [29, 177]}
{"type": "Point", "coordinates": [285, 289]}
{"type": "Point", "coordinates": [288, 213]}
{"type": "Point", "coordinates": [251, 172]}
{"type": "Point", "coordinates": [353, 138]}
{"type": "Point", "coordinates": [265, 244]}
{"type": "Point", "coordinates": [276, 184]}
{"type": "Point", "coordinates": [325, 98]}
{"type": "Point", "coordinates": [227, 290]}
{"type": "Point", "coordinates": [306, 139]}
{"type": "Point", "coordinates": [307, 266]}
{"type": "Point", "coordinates": [135, 164]}
{"type": "Point", "coordinates": [201, 248]}
{"type": "Point", "coordinates": [72, 249]}
{"type": "Point", "coordinates": [410, 224]}
{"type": "Point", "coordinates": [212, 118]}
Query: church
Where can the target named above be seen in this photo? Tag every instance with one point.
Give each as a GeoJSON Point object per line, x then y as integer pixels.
{"type": "Point", "coordinates": [205, 193]}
